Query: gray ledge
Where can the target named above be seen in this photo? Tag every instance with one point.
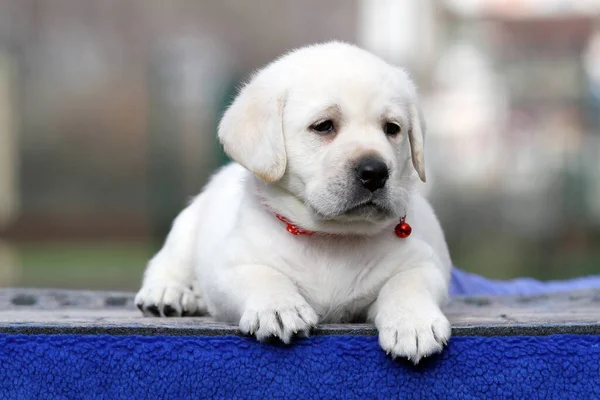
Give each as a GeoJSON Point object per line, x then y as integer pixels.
{"type": "Point", "coordinates": [38, 311]}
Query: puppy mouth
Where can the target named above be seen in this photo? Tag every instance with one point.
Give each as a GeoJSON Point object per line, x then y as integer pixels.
{"type": "Point", "coordinates": [356, 205]}
{"type": "Point", "coordinates": [369, 209]}
{"type": "Point", "coordinates": [363, 206]}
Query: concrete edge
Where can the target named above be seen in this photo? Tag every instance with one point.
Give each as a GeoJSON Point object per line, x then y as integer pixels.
{"type": "Point", "coordinates": [323, 330]}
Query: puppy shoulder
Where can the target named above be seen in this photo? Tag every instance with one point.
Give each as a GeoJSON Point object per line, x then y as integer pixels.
{"type": "Point", "coordinates": [222, 193]}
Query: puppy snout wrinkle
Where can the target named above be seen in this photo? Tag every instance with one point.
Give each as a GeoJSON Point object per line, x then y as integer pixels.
{"type": "Point", "coordinates": [372, 172]}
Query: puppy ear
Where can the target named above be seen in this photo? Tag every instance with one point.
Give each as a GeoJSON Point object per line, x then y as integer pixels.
{"type": "Point", "coordinates": [416, 137]}
{"type": "Point", "coordinates": [251, 132]}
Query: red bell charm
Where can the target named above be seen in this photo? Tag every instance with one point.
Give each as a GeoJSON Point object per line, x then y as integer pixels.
{"type": "Point", "coordinates": [403, 230]}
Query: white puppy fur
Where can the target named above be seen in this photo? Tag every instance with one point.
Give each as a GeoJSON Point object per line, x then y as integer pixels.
{"type": "Point", "coordinates": [297, 131]}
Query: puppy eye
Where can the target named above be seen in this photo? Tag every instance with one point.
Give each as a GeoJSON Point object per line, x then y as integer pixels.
{"type": "Point", "coordinates": [323, 127]}
{"type": "Point", "coordinates": [391, 129]}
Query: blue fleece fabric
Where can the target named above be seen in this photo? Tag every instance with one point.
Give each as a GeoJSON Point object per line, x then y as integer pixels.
{"type": "Point", "coordinates": [336, 367]}
{"type": "Point", "coordinates": [468, 284]}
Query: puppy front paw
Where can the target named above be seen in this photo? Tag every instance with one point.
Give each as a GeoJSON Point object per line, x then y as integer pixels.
{"type": "Point", "coordinates": [413, 333]}
{"type": "Point", "coordinates": [282, 319]}
{"type": "Point", "coordinates": [169, 300]}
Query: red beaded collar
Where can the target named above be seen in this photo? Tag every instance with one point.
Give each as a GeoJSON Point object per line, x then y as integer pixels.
{"type": "Point", "coordinates": [402, 230]}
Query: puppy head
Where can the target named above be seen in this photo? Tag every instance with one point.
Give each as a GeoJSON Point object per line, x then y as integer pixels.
{"type": "Point", "coordinates": [335, 126]}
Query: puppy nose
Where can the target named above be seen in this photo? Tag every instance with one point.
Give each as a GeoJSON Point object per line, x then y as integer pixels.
{"type": "Point", "coordinates": [372, 173]}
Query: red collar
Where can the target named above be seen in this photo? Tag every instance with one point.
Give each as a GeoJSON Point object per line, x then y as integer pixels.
{"type": "Point", "coordinates": [402, 230]}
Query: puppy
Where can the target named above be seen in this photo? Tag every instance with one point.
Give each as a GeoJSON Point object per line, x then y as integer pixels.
{"type": "Point", "coordinates": [305, 227]}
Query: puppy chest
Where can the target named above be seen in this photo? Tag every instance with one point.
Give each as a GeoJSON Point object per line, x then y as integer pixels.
{"type": "Point", "coordinates": [338, 294]}
{"type": "Point", "coordinates": [338, 280]}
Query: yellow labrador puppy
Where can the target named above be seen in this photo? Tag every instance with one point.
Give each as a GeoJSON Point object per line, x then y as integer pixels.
{"type": "Point", "coordinates": [312, 224]}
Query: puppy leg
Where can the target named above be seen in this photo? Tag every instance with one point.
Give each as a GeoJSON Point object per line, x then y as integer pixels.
{"type": "Point", "coordinates": [264, 301]}
{"type": "Point", "coordinates": [407, 313]}
{"type": "Point", "coordinates": [168, 287]}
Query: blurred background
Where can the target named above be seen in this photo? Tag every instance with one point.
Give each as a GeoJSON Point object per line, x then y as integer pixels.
{"type": "Point", "coordinates": [108, 112]}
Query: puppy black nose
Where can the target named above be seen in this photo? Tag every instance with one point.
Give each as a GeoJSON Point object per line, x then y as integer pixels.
{"type": "Point", "coordinates": [372, 173]}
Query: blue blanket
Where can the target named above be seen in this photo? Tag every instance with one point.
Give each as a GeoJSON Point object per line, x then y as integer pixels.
{"type": "Point", "coordinates": [335, 367]}
{"type": "Point", "coordinates": [467, 284]}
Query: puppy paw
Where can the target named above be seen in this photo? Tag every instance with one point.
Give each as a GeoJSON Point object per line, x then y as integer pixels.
{"type": "Point", "coordinates": [169, 300]}
{"type": "Point", "coordinates": [281, 319]}
{"type": "Point", "coordinates": [413, 334]}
